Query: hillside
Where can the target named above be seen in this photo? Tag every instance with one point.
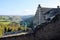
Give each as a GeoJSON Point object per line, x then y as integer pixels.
{"type": "Point", "coordinates": [26, 17]}
{"type": "Point", "coordinates": [45, 31]}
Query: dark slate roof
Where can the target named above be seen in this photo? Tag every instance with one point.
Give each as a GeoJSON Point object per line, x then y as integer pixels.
{"type": "Point", "coordinates": [44, 10]}
{"type": "Point", "coordinates": [51, 11]}
{"type": "Point", "coordinates": [47, 10]}
{"type": "Point", "coordinates": [54, 10]}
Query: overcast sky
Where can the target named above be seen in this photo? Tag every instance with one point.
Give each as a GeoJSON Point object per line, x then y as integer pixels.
{"type": "Point", "coordinates": [24, 7]}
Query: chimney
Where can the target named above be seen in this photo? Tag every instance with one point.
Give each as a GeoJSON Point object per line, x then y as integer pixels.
{"type": "Point", "coordinates": [57, 6]}
{"type": "Point", "coordinates": [39, 6]}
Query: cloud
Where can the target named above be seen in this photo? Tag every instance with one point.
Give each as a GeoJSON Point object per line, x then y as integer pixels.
{"type": "Point", "coordinates": [28, 12]}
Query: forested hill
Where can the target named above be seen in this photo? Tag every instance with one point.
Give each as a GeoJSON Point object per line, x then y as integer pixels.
{"type": "Point", "coordinates": [26, 17]}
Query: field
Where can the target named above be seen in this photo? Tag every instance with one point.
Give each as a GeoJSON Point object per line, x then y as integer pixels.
{"type": "Point", "coordinates": [6, 26]}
